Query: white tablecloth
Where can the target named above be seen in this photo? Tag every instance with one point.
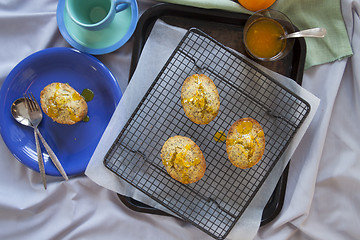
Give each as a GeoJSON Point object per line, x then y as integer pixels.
{"type": "Point", "coordinates": [322, 196]}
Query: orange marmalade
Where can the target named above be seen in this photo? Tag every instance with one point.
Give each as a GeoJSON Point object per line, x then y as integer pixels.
{"type": "Point", "coordinates": [263, 38]}
{"type": "Point", "coordinates": [220, 136]}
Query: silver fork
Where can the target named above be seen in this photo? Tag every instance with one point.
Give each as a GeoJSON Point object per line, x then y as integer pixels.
{"type": "Point", "coordinates": [35, 121]}
{"type": "Point", "coordinates": [35, 115]}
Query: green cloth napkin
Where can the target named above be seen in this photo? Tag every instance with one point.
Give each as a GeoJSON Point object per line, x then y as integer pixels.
{"type": "Point", "coordinates": [304, 14]}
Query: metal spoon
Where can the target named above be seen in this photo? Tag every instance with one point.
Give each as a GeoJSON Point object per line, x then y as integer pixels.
{"type": "Point", "coordinates": [21, 114]}
{"type": "Point", "coordinates": [313, 32]}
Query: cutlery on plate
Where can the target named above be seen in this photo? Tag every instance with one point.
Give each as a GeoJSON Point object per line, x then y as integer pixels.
{"type": "Point", "coordinates": [34, 122]}
{"type": "Point", "coordinates": [36, 117]}
{"type": "Point", "coordinates": [27, 111]}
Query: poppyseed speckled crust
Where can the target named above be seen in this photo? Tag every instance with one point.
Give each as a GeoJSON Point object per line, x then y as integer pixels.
{"type": "Point", "coordinates": [183, 159]}
{"type": "Point", "coordinates": [245, 143]}
{"type": "Point", "coordinates": [63, 104]}
{"type": "Point", "coordinates": [200, 99]}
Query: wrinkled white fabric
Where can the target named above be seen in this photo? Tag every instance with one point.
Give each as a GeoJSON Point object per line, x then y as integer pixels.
{"type": "Point", "coordinates": [323, 192]}
{"type": "Point", "coordinates": [322, 197]}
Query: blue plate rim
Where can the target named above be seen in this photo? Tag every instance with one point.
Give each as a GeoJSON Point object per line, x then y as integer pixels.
{"type": "Point", "coordinates": [95, 51]}
{"type": "Point", "coordinates": [8, 81]}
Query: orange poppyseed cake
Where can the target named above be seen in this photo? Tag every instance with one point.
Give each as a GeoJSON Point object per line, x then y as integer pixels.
{"type": "Point", "coordinates": [245, 143]}
{"type": "Point", "coordinates": [62, 103]}
{"type": "Point", "coordinates": [183, 159]}
{"type": "Point", "coordinates": [200, 99]}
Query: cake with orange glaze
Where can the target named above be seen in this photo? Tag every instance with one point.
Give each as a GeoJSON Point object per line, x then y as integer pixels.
{"type": "Point", "coordinates": [62, 103]}
{"type": "Point", "coordinates": [200, 99]}
{"type": "Point", "coordinates": [183, 159]}
{"type": "Point", "coordinates": [245, 143]}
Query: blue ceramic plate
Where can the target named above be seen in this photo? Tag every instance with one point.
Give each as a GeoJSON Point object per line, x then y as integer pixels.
{"type": "Point", "coordinates": [73, 144]}
{"type": "Point", "coordinates": [101, 41]}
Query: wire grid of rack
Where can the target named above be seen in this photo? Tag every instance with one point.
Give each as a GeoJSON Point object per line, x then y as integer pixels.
{"type": "Point", "coordinates": [217, 201]}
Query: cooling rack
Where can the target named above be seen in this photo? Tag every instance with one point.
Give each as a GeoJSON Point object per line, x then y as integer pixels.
{"type": "Point", "coordinates": [217, 201]}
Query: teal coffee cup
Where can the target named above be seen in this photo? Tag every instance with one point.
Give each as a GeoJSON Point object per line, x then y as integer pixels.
{"type": "Point", "coordinates": [94, 14]}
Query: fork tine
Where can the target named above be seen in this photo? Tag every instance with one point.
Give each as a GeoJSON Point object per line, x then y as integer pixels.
{"type": "Point", "coordinates": [33, 108]}
{"type": "Point", "coordinates": [27, 102]}
{"type": "Point", "coordinates": [36, 104]}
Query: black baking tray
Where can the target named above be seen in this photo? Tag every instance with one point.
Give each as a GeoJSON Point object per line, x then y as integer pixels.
{"type": "Point", "coordinates": [225, 27]}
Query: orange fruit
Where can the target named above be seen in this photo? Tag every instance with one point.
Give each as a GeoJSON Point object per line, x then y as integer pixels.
{"type": "Point", "coordinates": [256, 5]}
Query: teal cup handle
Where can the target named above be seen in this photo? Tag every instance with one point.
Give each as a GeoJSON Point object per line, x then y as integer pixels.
{"type": "Point", "coordinates": [121, 5]}
{"type": "Point", "coordinates": [95, 14]}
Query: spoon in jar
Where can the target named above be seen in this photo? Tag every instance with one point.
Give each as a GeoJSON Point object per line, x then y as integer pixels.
{"type": "Point", "coordinates": [313, 32]}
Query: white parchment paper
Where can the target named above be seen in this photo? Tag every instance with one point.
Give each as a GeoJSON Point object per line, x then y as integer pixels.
{"type": "Point", "coordinates": [158, 48]}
